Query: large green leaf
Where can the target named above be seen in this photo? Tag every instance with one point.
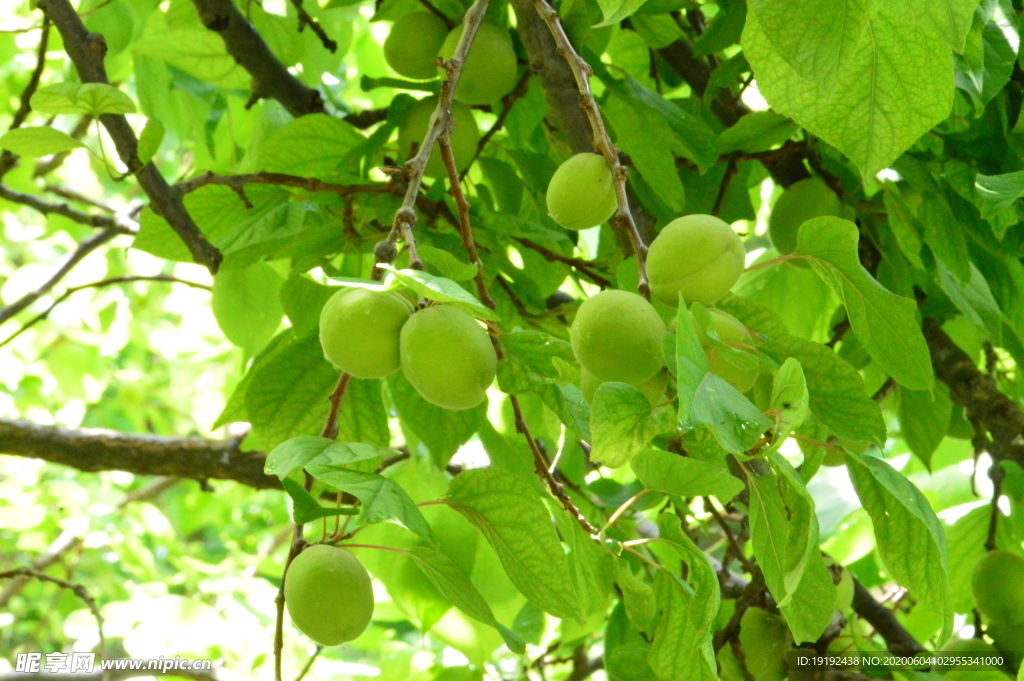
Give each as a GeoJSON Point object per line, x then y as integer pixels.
{"type": "Point", "coordinates": [383, 498]}
{"type": "Point", "coordinates": [868, 78]}
{"type": "Point", "coordinates": [34, 142]}
{"type": "Point", "coordinates": [515, 522]}
{"type": "Point", "coordinates": [623, 423]}
{"type": "Point", "coordinates": [885, 323]}
{"type": "Point", "coordinates": [910, 538]}
{"type": "Point", "coordinates": [81, 98]}
{"type": "Point", "coordinates": [683, 476]}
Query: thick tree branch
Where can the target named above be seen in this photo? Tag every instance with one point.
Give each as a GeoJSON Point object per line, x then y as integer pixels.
{"type": "Point", "coordinates": [93, 450]}
{"type": "Point", "coordinates": [978, 394]}
{"type": "Point", "coordinates": [87, 51]}
{"type": "Point", "coordinates": [897, 638]}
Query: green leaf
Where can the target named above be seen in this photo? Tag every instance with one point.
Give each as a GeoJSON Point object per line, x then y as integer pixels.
{"type": "Point", "coordinates": [81, 98]}
{"type": "Point", "coordinates": [677, 652]}
{"type": "Point", "coordinates": [790, 398]}
{"type": "Point", "coordinates": [193, 49]}
{"type": "Point", "coordinates": [643, 134]}
{"type": "Point", "coordinates": [448, 264]}
{"type": "Point", "coordinates": [701, 576]}
{"type": "Point", "coordinates": [299, 451]}
{"type": "Point", "coordinates": [615, 11]}
{"type": "Point", "coordinates": [36, 142]}
{"type": "Point", "coordinates": [622, 424]}
{"type": "Point", "coordinates": [846, 71]}
{"type": "Point", "coordinates": [442, 290]}
{"type": "Point", "coordinates": [684, 476]}
{"type": "Point", "coordinates": [443, 431]}
{"type": "Point", "coordinates": [998, 192]}
{"type": "Point", "coordinates": [288, 397]}
{"type": "Point", "coordinates": [452, 582]}
{"type": "Point", "coordinates": [691, 364]}
{"type": "Point", "coordinates": [974, 298]}
{"type": "Point", "coordinates": [637, 596]}
{"type": "Point", "coordinates": [383, 499]}
{"type": "Point", "coordinates": [757, 131]}
{"type": "Point", "coordinates": [885, 323]}
{"type": "Point", "coordinates": [590, 565]}
{"type": "Point", "coordinates": [247, 305]}
{"type": "Point", "coordinates": [150, 139]}
{"type": "Point", "coordinates": [528, 360]}
{"type": "Point", "coordinates": [513, 519]}
{"type": "Point", "coordinates": [924, 419]}
{"type": "Point", "coordinates": [735, 421]}
{"type": "Point", "coordinates": [316, 145]}
{"type": "Point", "coordinates": [988, 55]}
{"type": "Point", "coordinates": [306, 509]}
{"type": "Point", "coordinates": [836, 391]}
{"type": "Point", "coordinates": [911, 540]}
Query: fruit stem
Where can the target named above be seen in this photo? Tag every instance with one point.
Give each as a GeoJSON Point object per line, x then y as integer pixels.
{"type": "Point", "coordinates": [622, 221]}
{"type": "Point", "coordinates": [441, 123]}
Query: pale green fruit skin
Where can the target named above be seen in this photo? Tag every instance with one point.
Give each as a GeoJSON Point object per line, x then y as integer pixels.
{"type": "Point", "coordinates": [359, 331]}
{"type": "Point", "coordinates": [802, 201]}
{"type": "Point", "coordinates": [464, 138]}
{"type": "Point", "coordinates": [328, 594]}
{"type": "Point", "coordinates": [699, 256]}
{"type": "Point", "coordinates": [581, 193]}
{"type": "Point", "coordinates": [998, 586]}
{"type": "Point", "coordinates": [448, 357]}
{"type": "Point", "coordinates": [490, 70]}
{"type": "Point", "coordinates": [618, 336]}
{"type": "Point", "coordinates": [765, 640]}
{"type": "Point", "coordinates": [959, 646]}
{"type": "Point", "coordinates": [653, 388]}
{"type": "Point", "coordinates": [730, 330]}
{"type": "Point", "coordinates": [1009, 636]}
{"type": "Point", "coordinates": [413, 43]}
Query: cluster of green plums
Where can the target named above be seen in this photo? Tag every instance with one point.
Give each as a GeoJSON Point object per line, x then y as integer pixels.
{"type": "Point", "coordinates": [328, 594]}
{"type": "Point", "coordinates": [997, 584]}
{"type": "Point", "coordinates": [619, 336]}
{"type": "Point", "coordinates": [412, 48]}
{"type": "Point", "coordinates": [442, 351]}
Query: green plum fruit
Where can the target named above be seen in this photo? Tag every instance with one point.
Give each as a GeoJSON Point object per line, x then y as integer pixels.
{"type": "Point", "coordinates": [740, 370]}
{"type": "Point", "coordinates": [448, 357]}
{"type": "Point", "coordinates": [699, 256]}
{"type": "Point", "coordinates": [413, 44]}
{"type": "Point", "coordinates": [961, 646]}
{"type": "Point", "coordinates": [618, 336]}
{"type": "Point", "coordinates": [765, 639]}
{"type": "Point", "coordinates": [802, 201]}
{"type": "Point", "coordinates": [490, 69]}
{"type": "Point", "coordinates": [1008, 636]}
{"type": "Point", "coordinates": [359, 331]}
{"type": "Point", "coordinates": [464, 137]}
{"type": "Point", "coordinates": [998, 586]}
{"type": "Point", "coordinates": [653, 388]}
{"type": "Point", "coordinates": [328, 594]}
{"type": "Point", "coordinates": [581, 193]}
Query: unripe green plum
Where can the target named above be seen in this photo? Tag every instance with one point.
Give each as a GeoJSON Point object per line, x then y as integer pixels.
{"type": "Point", "coordinates": [765, 639]}
{"type": "Point", "coordinates": [359, 331]}
{"type": "Point", "coordinates": [464, 137]}
{"type": "Point", "coordinates": [490, 69]}
{"type": "Point", "coordinates": [653, 388]}
{"type": "Point", "coordinates": [618, 336]}
{"type": "Point", "coordinates": [1009, 637]}
{"type": "Point", "coordinates": [448, 357]}
{"type": "Point", "coordinates": [328, 594]}
{"type": "Point", "coordinates": [732, 332]}
{"type": "Point", "coordinates": [699, 256]}
{"type": "Point", "coordinates": [963, 646]}
{"type": "Point", "coordinates": [581, 193]}
{"type": "Point", "coordinates": [998, 586]}
{"type": "Point", "coordinates": [413, 43]}
{"type": "Point", "coordinates": [802, 201]}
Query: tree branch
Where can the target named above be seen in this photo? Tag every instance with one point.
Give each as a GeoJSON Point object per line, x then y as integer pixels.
{"type": "Point", "coordinates": [577, 263]}
{"type": "Point", "coordinates": [87, 51]}
{"type": "Point", "coordinates": [93, 450]}
{"type": "Point", "coordinates": [116, 223]}
{"type": "Point", "coordinates": [270, 77]}
{"type": "Point", "coordinates": [898, 639]}
{"type": "Point", "coordinates": [8, 158]}
{"type": "Point", "coordinates": [84, 249]}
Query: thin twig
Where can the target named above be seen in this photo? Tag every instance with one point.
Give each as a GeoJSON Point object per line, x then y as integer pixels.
{"type": "Point", "coordinates": [581, 265]}
{"type": "Point", "coordinates": [306, 20]}
{"type": "Point", "coordinates": [98, 284]}
{"type": "Point", "coordinates": [9, 158]}
{"type": "Point", "coordinates": [309, 663]}
{"type": "Point", "coordinates": [730, 172]}
{"type": "Point", "coordinates": [441, 122]}
{"type": "Point", "coordinates": [330, 429]}
{"type": "Point", "coordinates": [622, 221]}
{"type": "Point", "coordinates": [120, 224]}
{"type": "Point", "coordinates": [735, 545]}
{"type": "Point", "coordinates": [76, 256]}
